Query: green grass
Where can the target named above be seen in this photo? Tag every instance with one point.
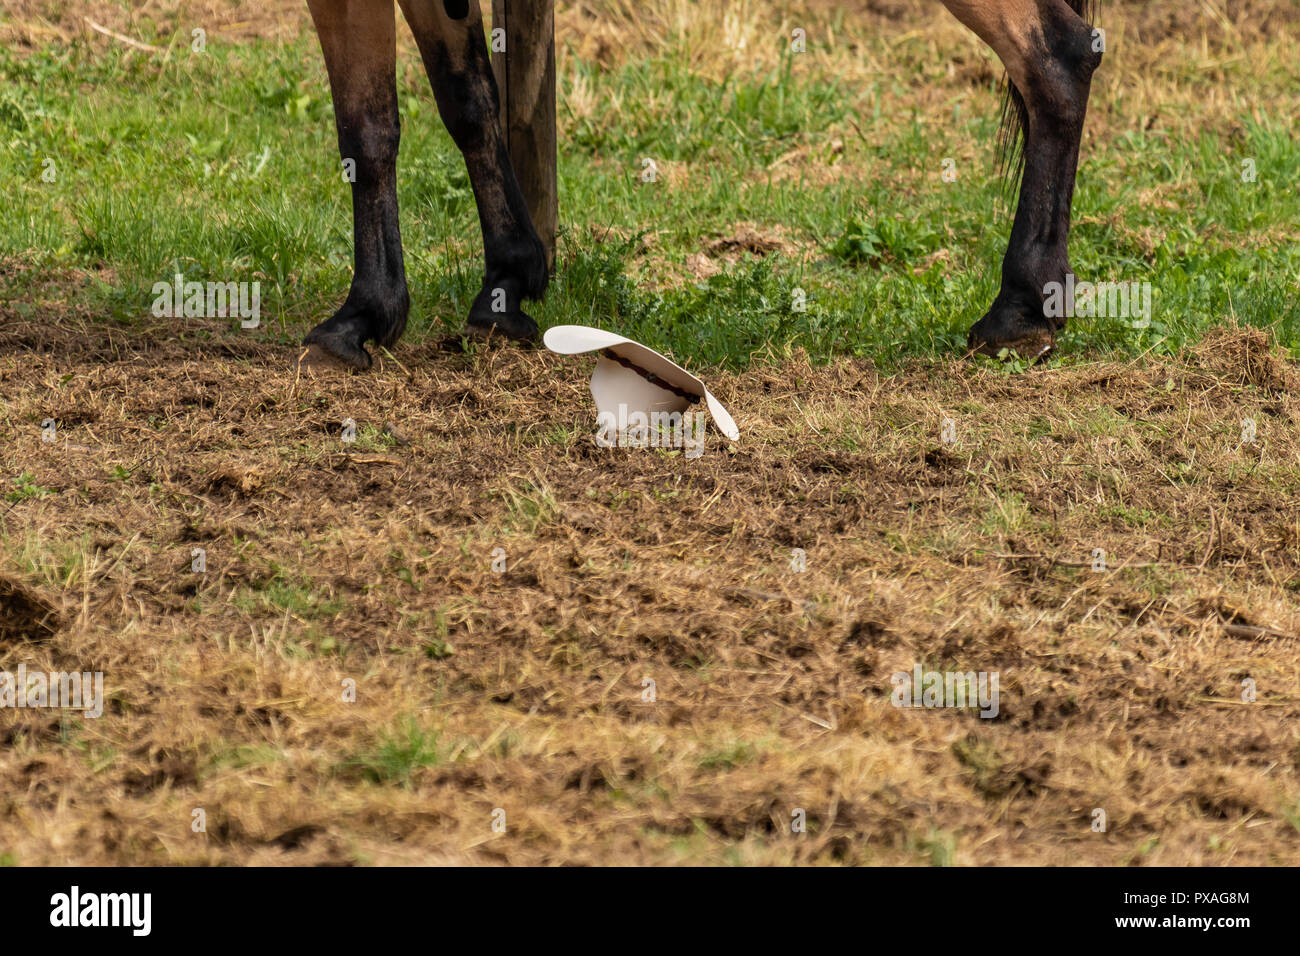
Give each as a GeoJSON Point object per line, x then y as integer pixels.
{"type": "Point", "coordinates": [25, 487]}
{"type": "Point", "coordinates": [62, 564]}
{"type": "Point", "coordinates": [241, 756]}
{"type": "Point", "coordinates": [400, 752]}
{"type": "Point", "coordinates": [729, 757]}
{"type": "Point", "coordinates": [282, 593]}
{"type": "Point", "coordinates": [530, 506]}
{"type": "Point", "coordinates": [223, 166]}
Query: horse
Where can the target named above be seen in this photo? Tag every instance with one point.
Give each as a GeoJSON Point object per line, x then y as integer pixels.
{"type": "Point", "coordinates": [1047, 47]}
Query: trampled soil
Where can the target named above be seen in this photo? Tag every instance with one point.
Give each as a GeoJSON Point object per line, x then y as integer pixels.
{"type": "Point", "coordinates": [949, 516]}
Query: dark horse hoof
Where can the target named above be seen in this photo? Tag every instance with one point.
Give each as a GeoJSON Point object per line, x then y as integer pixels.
{"type": "Point", "coordinates": [340, 344]}
{"type": "Point", "coordinates": [517, 325]}
{"type": "Point", "coordinates": [516, 274]}
{"type": "Point", "coordinates": [343, 335]}
{"type": "Point", "coordinates": [1004, 327]}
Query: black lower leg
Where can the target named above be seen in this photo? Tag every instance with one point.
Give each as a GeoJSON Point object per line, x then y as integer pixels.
{"type": "Point", "coordinates": [359, 47]}
{"type": "Point", "coordinates": [378, 302]}
{"type": "Point", "coordinates": [450, 36]}
{"type": "Point", "coordinates": [1061, 61]}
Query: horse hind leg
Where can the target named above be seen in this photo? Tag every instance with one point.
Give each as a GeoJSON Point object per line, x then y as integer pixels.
{"type": "Point", "coordinates": [449, 34]}
{"type": "Point", "coordinates": [1050, 54]}
{"type": "Point", "coordinates": [359, 40]}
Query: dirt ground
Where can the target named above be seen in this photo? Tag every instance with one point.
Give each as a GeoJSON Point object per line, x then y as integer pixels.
{"type": "Point", "coordinates": [948, 516]}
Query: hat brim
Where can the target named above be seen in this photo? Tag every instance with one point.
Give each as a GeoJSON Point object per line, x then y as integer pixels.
{"type": "Point", "coordinates": [578, 339]}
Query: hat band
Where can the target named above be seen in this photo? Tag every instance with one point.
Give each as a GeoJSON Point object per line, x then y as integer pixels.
{"type": "Point", "coordinates": [650, 377]}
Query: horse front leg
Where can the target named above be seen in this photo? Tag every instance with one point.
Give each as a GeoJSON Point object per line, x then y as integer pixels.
{"type": "Point", "coordinates": [1048, 51]}
{"type": "Point", "coordinates": [359, 40]}
{"type": "Point", "coordinates": [450, 37]}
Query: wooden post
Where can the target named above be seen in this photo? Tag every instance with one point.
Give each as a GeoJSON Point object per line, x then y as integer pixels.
{"type": "Point", "coordinates": [525, 74]}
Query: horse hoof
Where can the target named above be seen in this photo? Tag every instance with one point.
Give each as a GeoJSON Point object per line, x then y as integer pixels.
{"type": "Point", "coordinates": [339, 344]}
{"type": "Point", "coordinates": [517, 326]}
{"type": "Point", "coordinates": [316, 359]}
{"type": "Point", "coordinates": [1032, 348]}
{"type": "Point", "coordinates": [1008, 328]}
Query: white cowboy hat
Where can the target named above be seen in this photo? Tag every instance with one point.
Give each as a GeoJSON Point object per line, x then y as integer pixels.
{"type": "Point", "coordinates": [635, 375]}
